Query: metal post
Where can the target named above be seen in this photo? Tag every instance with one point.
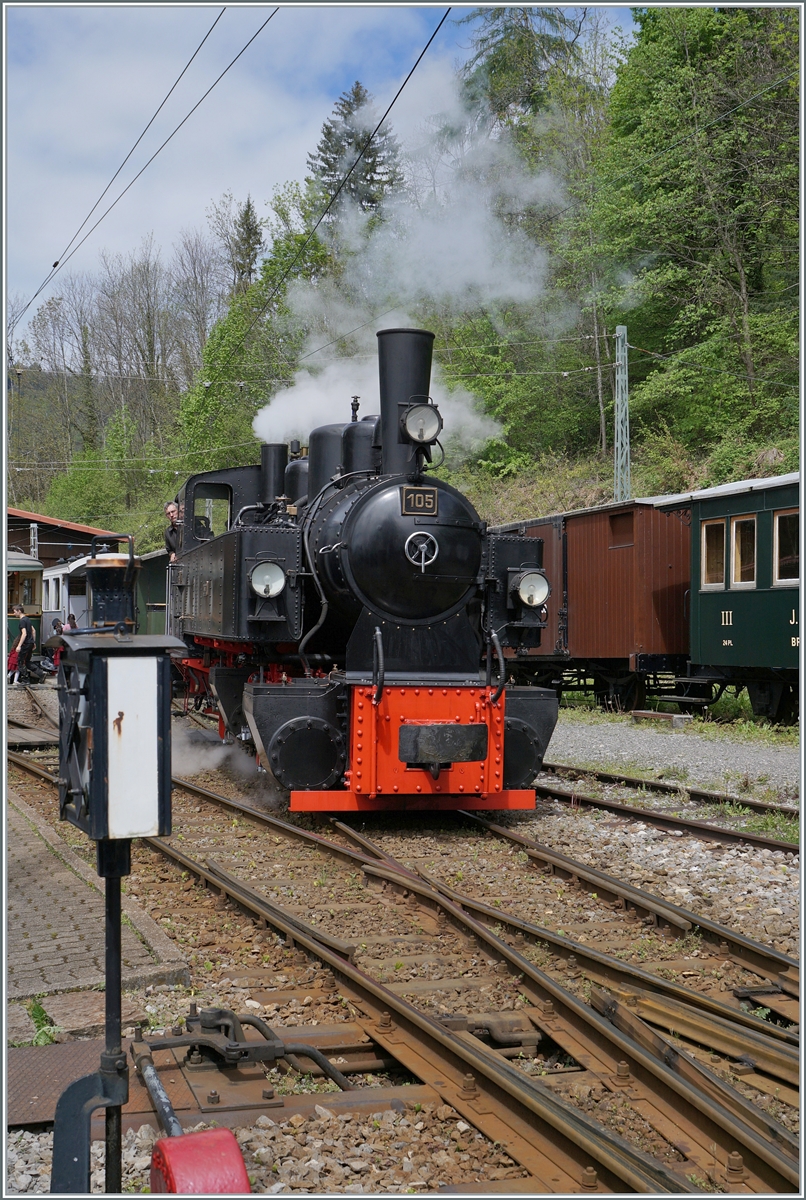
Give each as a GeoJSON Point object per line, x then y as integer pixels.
{"type": "Point", "coordinates": [114, 1146]}
{"type": "Point", "coordinates": [621, 456]}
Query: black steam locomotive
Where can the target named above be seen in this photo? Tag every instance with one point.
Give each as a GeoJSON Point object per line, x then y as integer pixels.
{"type": "Point", "coordinates": [347, 613]}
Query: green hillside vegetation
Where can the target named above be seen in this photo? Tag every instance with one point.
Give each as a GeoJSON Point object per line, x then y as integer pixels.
{"type": "Point", "coordinates": [670, 206]}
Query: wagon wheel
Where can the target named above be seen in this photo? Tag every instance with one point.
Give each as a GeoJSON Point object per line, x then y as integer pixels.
{"type": "Point", "coordinates": [620, 693]}
{"type": "Point", "coordinates": [698, 692]}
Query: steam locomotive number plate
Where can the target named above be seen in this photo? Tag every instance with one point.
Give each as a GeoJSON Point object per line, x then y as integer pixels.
{"type": "Point", "coordinates": [418, 502]}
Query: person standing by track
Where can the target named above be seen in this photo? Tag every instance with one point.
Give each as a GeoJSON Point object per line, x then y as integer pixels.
{"type": "Point", "coordinates": [25, 644]}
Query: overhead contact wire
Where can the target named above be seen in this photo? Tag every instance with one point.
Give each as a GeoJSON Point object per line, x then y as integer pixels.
{"type": "Point", "coordinates": [335, 195]}
{"type": "Point", "coordinates": [186, 118]}
{"type": "Point", "coordinates": [122, 165]}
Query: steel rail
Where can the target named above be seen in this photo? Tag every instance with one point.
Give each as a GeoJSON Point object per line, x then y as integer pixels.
{"type": "Point", "coordinates": [51, 720]}
{"type": "Point", "coordinates": [761, 959]}
{"type": "Point", "coordinates": [604, 966]}
{"type": "Point", "coordinates": [613, 971]}
{"type": "Point", "coordinates": [696, 1073]}
{"type": "Point", "coordinates": [700, 795]}
{"type": "Point", "coordinates": [699, 829]}
{"type": "Point", "coordinates": [508, 1093]}
{"type": "Point", "coordinates": [601, 1047]}
{"type": "Point", "coordinates": [296, 930]}
{"type": "Point", "coordinates": [716, 1033]}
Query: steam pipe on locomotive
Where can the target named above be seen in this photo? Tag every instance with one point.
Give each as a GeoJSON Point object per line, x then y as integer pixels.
{"type": "Point", "coordinates": [409, 591]}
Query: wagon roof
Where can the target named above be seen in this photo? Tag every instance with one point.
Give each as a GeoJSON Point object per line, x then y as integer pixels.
{"type": "Point", "coordinates": [728, 489]}
{"type": "Point", "coordinates": [610, 505]}
{"type": "Point", "coordinates": [17, 560]}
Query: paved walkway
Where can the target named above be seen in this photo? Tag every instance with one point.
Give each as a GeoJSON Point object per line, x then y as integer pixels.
{"type": "Point", "coordinates": [56, 919]}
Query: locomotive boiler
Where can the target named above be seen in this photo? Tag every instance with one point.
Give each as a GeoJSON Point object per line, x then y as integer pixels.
{"type": "Point", "coordinates": [347, 612]}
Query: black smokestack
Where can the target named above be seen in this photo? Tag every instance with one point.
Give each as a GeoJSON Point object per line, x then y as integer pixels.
{"type": "Point", "coordinates": [404, 365]}
{"type": "Point", "coordinates": [273, 460]}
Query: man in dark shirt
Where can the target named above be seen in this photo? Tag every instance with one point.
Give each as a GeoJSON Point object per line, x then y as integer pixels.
{"type": "Point", "coordinates": [173, 534]}
{"type": "Point", "coordinates": [25, 644]}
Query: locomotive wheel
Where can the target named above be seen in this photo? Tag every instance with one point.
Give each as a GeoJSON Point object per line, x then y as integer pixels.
{"type": "Point", "coordinates": [306, 754]}
{"type": "Point", "coordinates": [522, 757]}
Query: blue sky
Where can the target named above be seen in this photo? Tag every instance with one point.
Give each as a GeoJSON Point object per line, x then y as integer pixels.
{"type": "Point", "coordinates": [81, 83]}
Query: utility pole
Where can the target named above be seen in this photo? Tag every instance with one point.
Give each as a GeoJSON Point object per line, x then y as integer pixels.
{"type": "Point", "coordinates": [621, 456]}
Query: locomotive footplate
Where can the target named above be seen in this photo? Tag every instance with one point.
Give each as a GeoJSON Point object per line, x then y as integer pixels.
{"type": "Point", "coordinates": [511, 798]}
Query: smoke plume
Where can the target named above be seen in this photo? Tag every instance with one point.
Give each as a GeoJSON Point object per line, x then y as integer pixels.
{"type": "Point", "coordinates": [452, 243]}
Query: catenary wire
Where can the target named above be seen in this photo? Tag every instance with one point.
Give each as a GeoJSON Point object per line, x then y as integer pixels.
{"type": "Point", "coordinates": [92, 229]}
{"type": "Point", "coordinates": [334, 197]}
{"type": "Point", "coordinates": [688, 362]}
{"type": "Point", "coordinates": [167, 96]}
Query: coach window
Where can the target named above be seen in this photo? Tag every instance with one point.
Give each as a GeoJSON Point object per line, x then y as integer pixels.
{"type": "Point", "coordinates": [743, 552]}
{"type": "Point", "coordinates": [211, 510]}
{"type": "Point", "coordinates": [786, 554]}
{"type": "Point", "coordinates": [713, 554]}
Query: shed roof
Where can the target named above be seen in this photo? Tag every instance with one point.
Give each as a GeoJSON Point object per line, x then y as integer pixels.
{"type": "Point", "coordinates": [41, 519]}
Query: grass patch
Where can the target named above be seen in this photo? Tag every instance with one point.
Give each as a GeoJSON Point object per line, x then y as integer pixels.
{"type": "Point", "coordinates": [772, 825]}
{"type": "Point", "coordinates": [45, 1031]}
{"type": "Point", "coordinates": [741, 729]}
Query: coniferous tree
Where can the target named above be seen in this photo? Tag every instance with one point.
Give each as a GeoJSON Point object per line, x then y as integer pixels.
{"type": "Point", "coordinates": [248, 242]}
{"type": "Point", "coordinates": [343, 138]}
{"type": "Point", "coordinates": [514, 52]}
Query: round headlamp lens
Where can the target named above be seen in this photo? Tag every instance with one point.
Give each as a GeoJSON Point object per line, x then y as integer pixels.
{"type": "Point", "coordinates": [533, 589]}
{"type": "Point", "coordinates": [267, 579]}
{"type": "Point", "coordinates": [422, 423]}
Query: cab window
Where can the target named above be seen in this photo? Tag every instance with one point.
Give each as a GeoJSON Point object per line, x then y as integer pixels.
{"type": "Point", "coordinates": [786, 552]}
{"type": "Point", "coordinates": [743, 552]}
{"type": "Point", "coordinates": [211, 510]}
{"type": "Point", "coordinates": [713, 554]}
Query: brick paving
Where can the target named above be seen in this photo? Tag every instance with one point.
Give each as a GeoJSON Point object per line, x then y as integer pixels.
{"type": "Point", "coordinates": [56, 920]}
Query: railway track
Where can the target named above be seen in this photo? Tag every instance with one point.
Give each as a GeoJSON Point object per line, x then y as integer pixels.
{"type": "Point", "coordinates": [516, 996]}
{"type": "Point", "coordinates": [703, 829]}
{"type": "Point", "coordinates": [692, 827]}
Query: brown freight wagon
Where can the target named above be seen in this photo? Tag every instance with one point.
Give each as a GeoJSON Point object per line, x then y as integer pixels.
{"type": "Point", "coordinates": [618, 610]}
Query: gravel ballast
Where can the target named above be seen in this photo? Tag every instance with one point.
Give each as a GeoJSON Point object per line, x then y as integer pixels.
{"type": "Point", "coordinates": [754, 891]}
{"type": "Point", "coordinates": [717, 761]}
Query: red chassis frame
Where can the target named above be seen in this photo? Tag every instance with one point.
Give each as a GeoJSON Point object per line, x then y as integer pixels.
{"type": "Point", "coordinates": [377, 780]}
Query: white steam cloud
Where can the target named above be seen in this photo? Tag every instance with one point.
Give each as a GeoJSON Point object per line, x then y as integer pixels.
{"type": "Point", "coordinates": [324, 398]}
{"type": "Point", "coordinates": [453, 242]}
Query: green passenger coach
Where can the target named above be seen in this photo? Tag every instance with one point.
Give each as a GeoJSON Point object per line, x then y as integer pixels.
{"type": "Point", "coordinates": [745, 590]}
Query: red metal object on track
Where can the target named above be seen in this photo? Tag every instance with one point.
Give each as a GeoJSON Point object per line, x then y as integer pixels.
{"type": "Point", "coordinates": [207, 1163]}
{"type": "Point", "coordinates": [379, 780]}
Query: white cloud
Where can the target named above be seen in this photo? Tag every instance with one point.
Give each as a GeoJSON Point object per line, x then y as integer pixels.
{"type": "Point", "coordinates": [83, 81]}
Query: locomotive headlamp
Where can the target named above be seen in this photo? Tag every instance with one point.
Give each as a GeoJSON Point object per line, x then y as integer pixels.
{"type": "Point", "coordinates": [533, 589]}
{"type": "Point", "coordinates": [267, 580]}
{"type": "Point", "coordinates": [421, 424]}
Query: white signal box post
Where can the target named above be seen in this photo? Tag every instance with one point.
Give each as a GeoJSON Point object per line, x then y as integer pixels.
{"type": "Point", "coordinates": [115, 785]}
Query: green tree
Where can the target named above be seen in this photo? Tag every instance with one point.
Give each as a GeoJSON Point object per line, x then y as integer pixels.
{"type": "Point", "coordinates": [343, 138]}
{"type": "Point", "coordinates": [247, 245]}
{"type": "Point", "coordinates": [514, 53]}
{"type": "Point", "coordinates": [698, 206]}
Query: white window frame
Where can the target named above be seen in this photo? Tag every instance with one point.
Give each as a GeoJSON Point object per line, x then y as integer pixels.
{"type": "Point", "coordinates": [734, 585]}
{"type": "Point", "coordinates": [776, 582]}
{"type": "Point", "coordinates": [712, 587]}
